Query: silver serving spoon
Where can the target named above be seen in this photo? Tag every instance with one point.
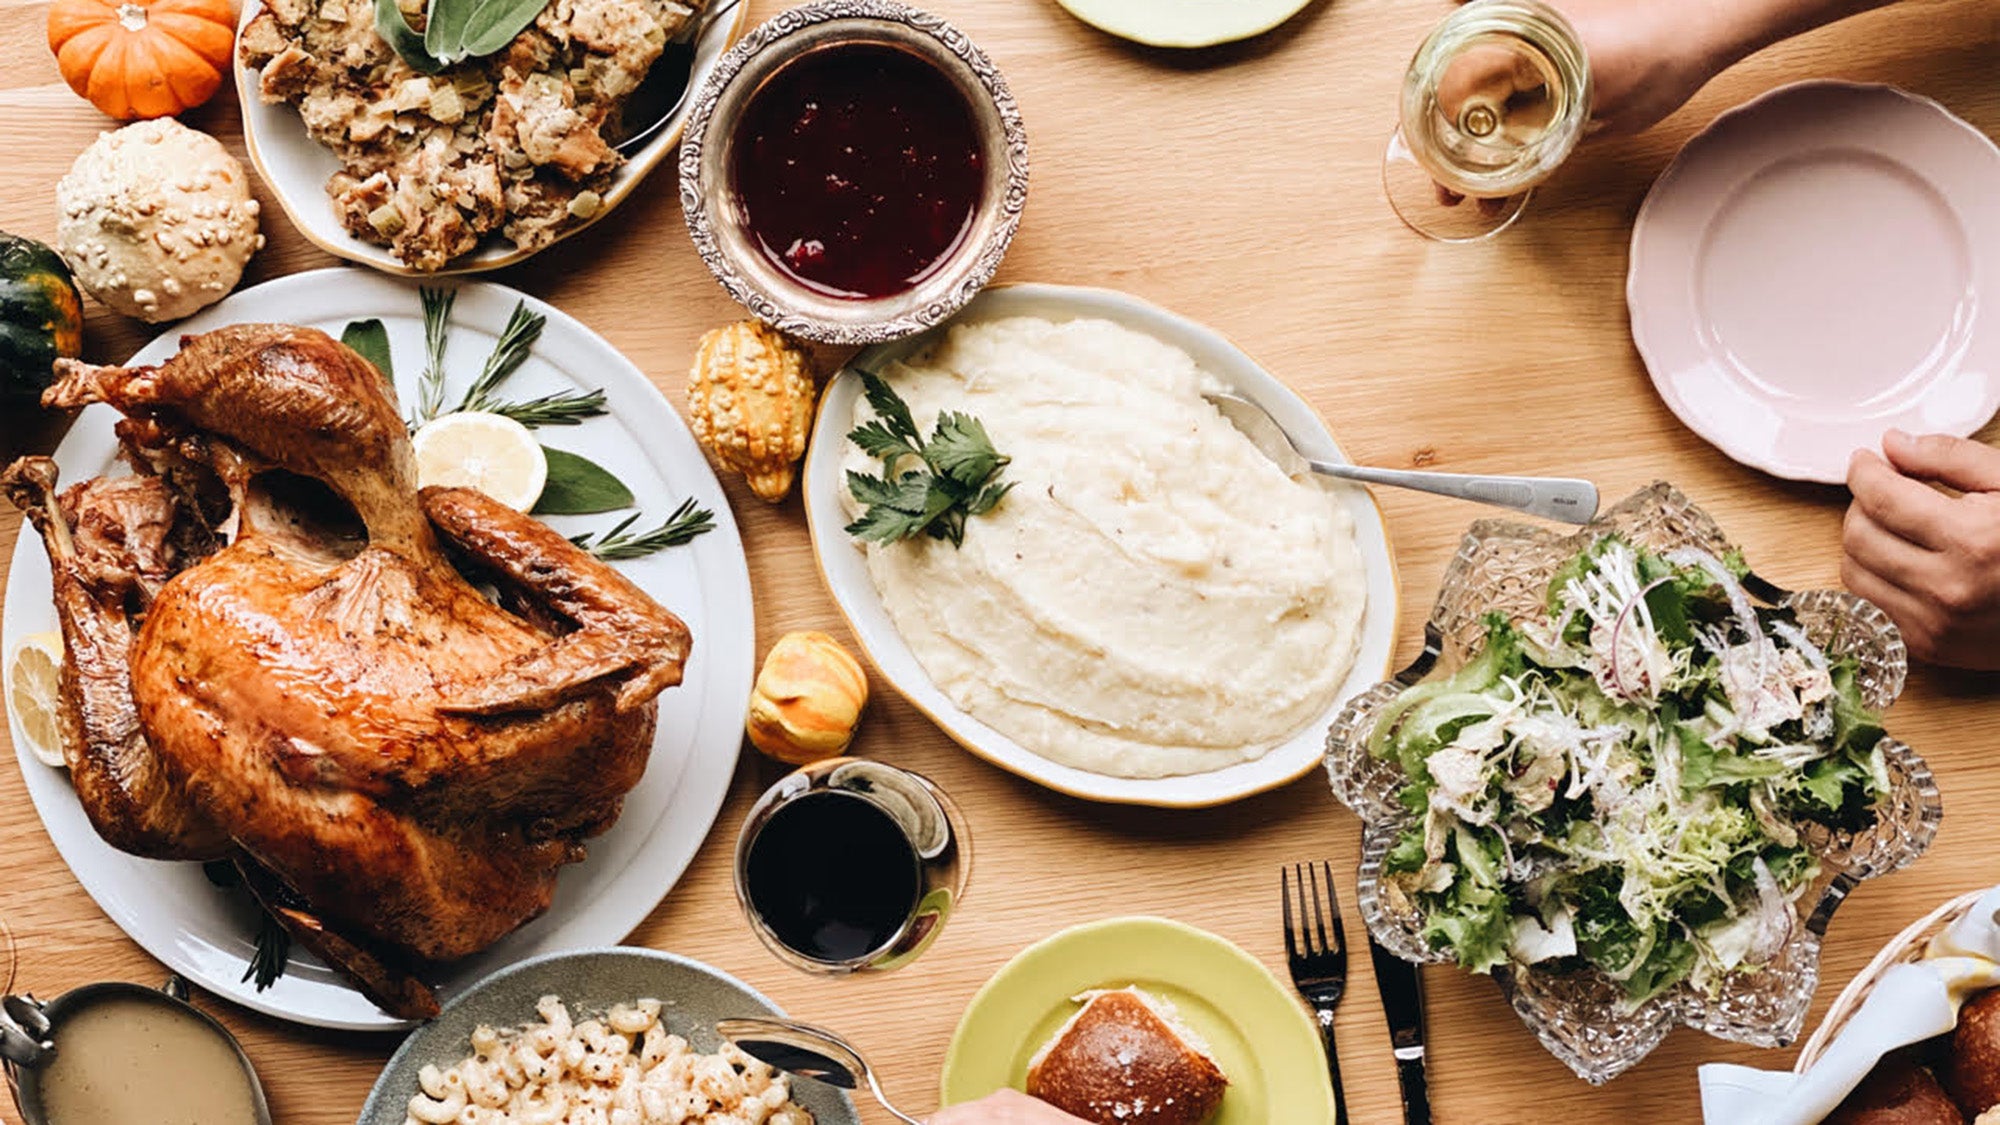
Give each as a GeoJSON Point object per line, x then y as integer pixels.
{"type": "Point", "coordinates": [664, 90]}
{"type": "Point", "coordinates": [1554, 498]}
{"type": "Point", "coordinates": [808, 1051]}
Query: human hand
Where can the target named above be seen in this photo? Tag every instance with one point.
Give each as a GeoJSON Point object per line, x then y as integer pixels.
{"type": "Point", "coordinates": [1929, 558]}
{"type": "Point", "coordinates": [1007, 1107]}
{"type": "Point", "coordinates": [1647, 58]}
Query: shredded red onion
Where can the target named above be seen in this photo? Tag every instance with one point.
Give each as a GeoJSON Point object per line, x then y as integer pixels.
{"type": "Point", "coordinates": [1739, 602]}
{"type": "Point", "coordinates": [1618, 629]}
{"type": "Point", "coordinates": [1797, 637]}
{"type": "Point", "coordinates": [1773, 906]}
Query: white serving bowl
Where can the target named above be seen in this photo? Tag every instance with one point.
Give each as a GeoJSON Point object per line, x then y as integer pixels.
{"type": "Point", "coordinates": [845, 568]}
{"type": "Point", "coordinates": [296, 167]}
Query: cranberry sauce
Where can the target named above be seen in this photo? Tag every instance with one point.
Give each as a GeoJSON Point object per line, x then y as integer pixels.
{"type": "Point", "coordinates": [858, 168]}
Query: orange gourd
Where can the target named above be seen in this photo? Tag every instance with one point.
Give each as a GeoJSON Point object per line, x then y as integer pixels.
{"type": "Point", "coordinates": [142, 58]}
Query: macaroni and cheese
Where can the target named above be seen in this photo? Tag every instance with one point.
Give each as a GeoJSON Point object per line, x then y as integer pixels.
{"type": "Point", "coordinates": [621, 1069]}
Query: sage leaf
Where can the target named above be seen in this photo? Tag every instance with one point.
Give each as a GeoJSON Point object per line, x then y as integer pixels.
{"type": "Point", "coordinates": [390, 24]}
{"type": "Point", "coordinates": [489, 25]}
{"type": "Point", "coordinates": [371, 341]}
{"type": "Point", "coordinates": [578, 486]}
{"type": "Point", "coordinates": [444, 27]}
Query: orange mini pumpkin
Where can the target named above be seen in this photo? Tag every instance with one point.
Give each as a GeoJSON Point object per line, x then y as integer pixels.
{"type": "Point", "coordinates": [142, 58]}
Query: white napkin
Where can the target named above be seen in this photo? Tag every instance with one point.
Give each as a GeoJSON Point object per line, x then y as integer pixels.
{"type": "Point", "coordinates": [1910, 1003]}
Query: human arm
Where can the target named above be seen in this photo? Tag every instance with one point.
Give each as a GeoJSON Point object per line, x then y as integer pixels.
{"type": "Point", "coordinates": [1930, 558]}
{"type": "Point", "coordinates": [1648, 57]}
{"type": "Point", "coordinates": [1007, 1107]}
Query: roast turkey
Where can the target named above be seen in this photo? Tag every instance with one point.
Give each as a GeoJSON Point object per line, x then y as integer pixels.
{"type": "Point", "coordinates": [277, 654]}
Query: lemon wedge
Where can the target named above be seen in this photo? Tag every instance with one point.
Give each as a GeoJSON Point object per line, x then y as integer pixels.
{"type": "Point", "coordinates": [489, 452]}
{"type": "Point", "coordinates": [34, 695]}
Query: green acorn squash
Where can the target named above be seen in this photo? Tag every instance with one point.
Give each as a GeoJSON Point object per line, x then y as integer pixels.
{"type": "Point", "coordinates": [41, 317]}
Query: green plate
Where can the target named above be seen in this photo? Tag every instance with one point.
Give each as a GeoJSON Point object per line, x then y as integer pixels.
{"type": "Point", "coordinates": [1184, 23]}
{"type": "Point", "coordinates": [1258, 1032]}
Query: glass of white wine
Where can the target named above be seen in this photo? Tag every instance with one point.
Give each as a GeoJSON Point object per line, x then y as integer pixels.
{"type": "Point", "coordinates": [1494, 100]}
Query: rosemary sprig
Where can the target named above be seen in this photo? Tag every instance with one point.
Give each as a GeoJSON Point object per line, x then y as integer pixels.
{"type": "Point", "coordinates": [560, 408]}
{"type": "Point", "coordinates": [437, 324]}
{"type": "Point", "coordinates": [687, 522]}
{"type": "Point", "coordinates": [517, 340]}
{"type": "Point", "coordinates": [563, 408]}
{"type": "Point", "coordinates": [274, 949]}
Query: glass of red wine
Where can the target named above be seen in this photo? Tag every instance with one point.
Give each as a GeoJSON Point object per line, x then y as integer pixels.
{"type": "Point", "coordinates": [850, 865]}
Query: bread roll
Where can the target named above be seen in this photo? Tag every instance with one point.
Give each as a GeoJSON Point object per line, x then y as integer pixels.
{"type": "Point", "coordinates": [1124, 1059]}
{"type": "Point", "coordinates": [1971, 1071]}
{"type": "Point", "coordinates": [1897, 1092]}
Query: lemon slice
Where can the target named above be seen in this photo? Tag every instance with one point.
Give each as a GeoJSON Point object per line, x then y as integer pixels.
{"type": "Point", "coordinates": [489, 452]}
{"type": "Point", "coordinates": [34, 674]}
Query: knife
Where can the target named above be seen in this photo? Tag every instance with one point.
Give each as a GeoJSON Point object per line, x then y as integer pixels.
{"type": "Point", "coordinates": [1402, 992]}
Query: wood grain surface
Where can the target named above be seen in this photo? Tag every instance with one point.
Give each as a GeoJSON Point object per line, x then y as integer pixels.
{"type": "Point", "coordinates": [1239, 186]}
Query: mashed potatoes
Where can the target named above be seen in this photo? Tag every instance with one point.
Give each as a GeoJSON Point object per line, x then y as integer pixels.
{"type": "Point", "coordinates": [1155, 597]}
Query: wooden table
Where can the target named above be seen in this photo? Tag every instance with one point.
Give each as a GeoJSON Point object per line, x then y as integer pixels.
{"type": "Point", "coordinates": [1238, 186]}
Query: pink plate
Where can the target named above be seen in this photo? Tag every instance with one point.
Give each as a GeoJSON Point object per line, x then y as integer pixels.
{"type": "Point", "coordinates": [1810, 271]}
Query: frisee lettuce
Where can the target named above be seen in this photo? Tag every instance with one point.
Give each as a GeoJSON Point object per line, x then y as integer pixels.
{"type": "Point", "coordinates": [1625, 784]}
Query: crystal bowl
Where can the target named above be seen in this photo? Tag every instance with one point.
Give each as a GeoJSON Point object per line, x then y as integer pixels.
{"type": "Point", "coordinates": [1582, 1016]}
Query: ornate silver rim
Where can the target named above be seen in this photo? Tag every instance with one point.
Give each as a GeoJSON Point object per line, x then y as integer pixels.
{"type": "Point", "coordinates": [977, 268]}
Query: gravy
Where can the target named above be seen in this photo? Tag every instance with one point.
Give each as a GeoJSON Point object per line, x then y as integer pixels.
{"type": "Point", "coordinates": [123, 1060]}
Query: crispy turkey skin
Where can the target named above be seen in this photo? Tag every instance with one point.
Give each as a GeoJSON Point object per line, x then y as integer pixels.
{"type": "Point", "coordinates": [309, 684]}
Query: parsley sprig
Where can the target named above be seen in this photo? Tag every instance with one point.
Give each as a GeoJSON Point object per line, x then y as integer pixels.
{"type": "Point", "coordinates": [926, 487]}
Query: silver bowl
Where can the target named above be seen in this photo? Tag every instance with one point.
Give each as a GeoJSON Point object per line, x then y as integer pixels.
{"type": "Point", "coordinates": [695, 997]}
{"type": "Point", "coordinates": [1582, 1017]}
{"type": "Point", "coordinates": [31, 1031]}
{"type": "Point", "coordinates": [715, 215]}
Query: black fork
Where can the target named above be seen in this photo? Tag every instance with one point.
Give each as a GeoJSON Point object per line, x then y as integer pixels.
{"type": "Point", "coordinates": [1319, 965]}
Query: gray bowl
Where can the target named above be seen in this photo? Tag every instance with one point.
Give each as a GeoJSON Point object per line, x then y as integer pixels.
{"type": "Point", "coordinates": [693, 994]}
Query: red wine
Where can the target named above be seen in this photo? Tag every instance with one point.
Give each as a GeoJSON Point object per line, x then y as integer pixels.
{"type": "Point", "coordinates": [858, 168]}
{"type": "Point", "coordinates": [832, 876]}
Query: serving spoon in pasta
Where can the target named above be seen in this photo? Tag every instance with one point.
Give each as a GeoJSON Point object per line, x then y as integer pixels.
{"type": "Point", "coordinates": [807, 1051]}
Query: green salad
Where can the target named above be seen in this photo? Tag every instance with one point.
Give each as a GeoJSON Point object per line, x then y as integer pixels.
{"type": "Point", "coordinates": [1625, 784]}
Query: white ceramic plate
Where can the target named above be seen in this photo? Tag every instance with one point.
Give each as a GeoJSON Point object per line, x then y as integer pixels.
{"type": "Point", "coordinates": [206, 934]}
{"type": "Point", "coordinates": [693, 997]}
{"type": "Point", "coordinates": [846, 570]}
{"type": "Point", "coordinates": [1816, 268]}
{"type": "Point", "coordinates": [1184, 23]}
{"type": "Point", "coordinates": [296, 167]}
